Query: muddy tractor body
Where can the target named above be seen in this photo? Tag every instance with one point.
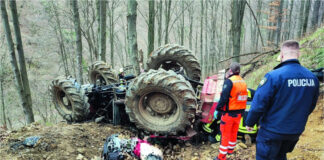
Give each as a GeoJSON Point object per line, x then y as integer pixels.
{"type": "Point", "coordinates": [164, 100]}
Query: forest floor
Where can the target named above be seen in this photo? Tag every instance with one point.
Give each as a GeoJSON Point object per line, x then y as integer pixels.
{"type": "Point", "coordinates": [85, 141]}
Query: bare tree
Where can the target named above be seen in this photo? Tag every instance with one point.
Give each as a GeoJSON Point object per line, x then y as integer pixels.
{"type": "Point", "coordinates": [132, 35]}
{"type": "Point", "coordinates": [167, 20]}
{"type": "Point", "coordinates": [238, 7]}
{"type": "Point", "coordinates": [182, 23]}
{"type": "Point", "coordinates": [59, 37]}
{"type": "Point", "coordinates": [316, 14]}
{"type": "Point", "coordinates": [150, 35]}
{"type": "Point", "coordinates": [279, 22]}
{"type": "Point", "coordinates": [89, 14]}
{"type": "Point", "coordinates": [191, 12]}
{"type": "Point", "coordinates": [159, 21]}
{"type": "Point", "coordinates": [301, 18]}
{"type": "Point", "coordinates": [289, 31]}
{"type": "Point", "coordinates": [201, 32]}
{"type": "Point", "coordinates": [2, 75]}
{"type": "Point", "coordinates": [111, 14]}
{"type": "Point", "coordinates": [76, 19]}
{"type": "Point", "coordinates": [306, 15]}
{"type": "Point", "coordinates": [23, 94]}
{"type": "Point", "coordinates": [102, 29]}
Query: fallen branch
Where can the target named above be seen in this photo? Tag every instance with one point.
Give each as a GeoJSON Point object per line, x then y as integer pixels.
{"type": "Point", "coordinates": [252, 53]}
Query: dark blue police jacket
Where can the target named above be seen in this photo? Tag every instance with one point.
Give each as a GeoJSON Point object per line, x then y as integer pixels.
{"type": "Point", "coordinates": [284, 99]}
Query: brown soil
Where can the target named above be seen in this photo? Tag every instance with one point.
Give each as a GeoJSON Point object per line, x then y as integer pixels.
{"type": "Point", "coordinates": [85, 141]}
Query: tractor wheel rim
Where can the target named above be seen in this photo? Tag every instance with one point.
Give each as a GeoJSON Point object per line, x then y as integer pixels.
{"type": "Point", "coordinates": [158, 108]}
{"type": "Point", "coordinates": [63, 100]}
{"type": "Point", "coordinates": [160, 103]}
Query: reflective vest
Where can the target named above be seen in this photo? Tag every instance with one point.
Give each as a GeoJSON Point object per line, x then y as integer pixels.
{"type": "Point", "coordinates": [239, 94]}
{"type": "Point", "coordinates": [242, 128]}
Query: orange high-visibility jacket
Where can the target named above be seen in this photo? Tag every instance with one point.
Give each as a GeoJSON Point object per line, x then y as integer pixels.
{"type": "Point", "coordinates": [239, 94]}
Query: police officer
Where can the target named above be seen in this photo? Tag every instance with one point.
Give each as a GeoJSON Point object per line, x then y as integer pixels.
{"type": "Point", "coordinates": [283, 101]}
{"type": "Point", "coordinates": [232, 104]}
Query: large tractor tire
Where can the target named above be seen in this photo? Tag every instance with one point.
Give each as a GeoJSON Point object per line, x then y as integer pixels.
{"type": "Point", "coordinates": [175, 57]}
{"type": "Point", "coordinates": [161, 102]}
{"type": "Point", "coordinates": [100, 73]}
{"type": "Point", "coordinates": [69, 100]}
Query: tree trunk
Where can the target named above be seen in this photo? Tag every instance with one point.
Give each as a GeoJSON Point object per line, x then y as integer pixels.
{"type": "Point", "coordinates": [289, 31]}
{"type": "Point", "coordinates": [259, 20]}
{"type": "Point", "coordinates": [132, 35]}
{"type": "Point", "coordinates": [167, 20]}
{"type": "Point", "coordinates": [270, 24]}
{"type": "Point", "coordinates": [26, 104]}
{"type": "Point", "coordinates": [102, 29]}
{"type": "Point", "coordinates": [316, 14]}
{"type": "Point", "coordinates": [98, 29]}
{"type": "Point", "coordinates": [206, 38]}
{"type": "Point", "coordinates": [182, 23]}
{"type": "Point", "coordinates": [76, 19]}
{"type": "Point", "coordinates": [221, 42]}
{"type": "Point", "coordinates": [279, 23]}
{"type": "Point", "coordinates": [212, 58]}
{"type": "Point", "coordinates": [60, 40]}
{"type": "Point", "coordinates": [322, 13]}
{"type": "Point", "coordinates": [301, 18]}
{"type": "Point", "coordinates": [238, 7]}
{"type": "Point", "coordinates": [150, 35]}
{"type": "Point", "coordinates": [306, 14]}
{"type": "Point", "coordinates": [191, 16]}
{"type": "Point", "coordinates": [228, 37]}
{"type": "Point", "coordinates": [4, 119]}
{"type": "Point", "coordinates": [201, 33]}
{"type": "Point", "coordinates": [112, 33]}
{"type": "Point", "coordinates": [21, 59]}
{"type": "Point", "coordinates": [196, 44]}
{"type": "Point", "coordinates": [160, 8]}
{"type": "Point", "coordinates": [284, 19]}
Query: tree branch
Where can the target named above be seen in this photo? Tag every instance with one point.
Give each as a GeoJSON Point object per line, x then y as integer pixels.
{"type": "Point", "coordinates": [256, 21]}
{"type": "Point", "coordinates": [246, 54]}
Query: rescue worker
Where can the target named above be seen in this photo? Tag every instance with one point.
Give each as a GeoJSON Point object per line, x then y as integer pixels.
{"type": "Point", "coordinates": [232, 104]}
{"type": "Point", "coordinates": [242, 131]}
{"type": "Point", "coordinates": [283, 101]}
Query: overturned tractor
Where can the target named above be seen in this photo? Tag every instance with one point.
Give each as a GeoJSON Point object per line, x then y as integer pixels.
{"type": "Point", "coordinates": [163, 100]}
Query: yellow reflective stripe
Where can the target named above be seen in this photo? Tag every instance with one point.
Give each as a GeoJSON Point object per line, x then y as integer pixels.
{"type": "Point", "coordinates": [218, 137]}
{"type": "Point", "coordinates": [249, 93]}
{"type": "Point", "coordinates": [206, 128]}
{"type": "Point", "coordinates": [243, 129]}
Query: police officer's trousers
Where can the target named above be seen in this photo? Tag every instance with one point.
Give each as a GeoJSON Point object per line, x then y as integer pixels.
{"type": "Point", "coordinates": [273, 146]}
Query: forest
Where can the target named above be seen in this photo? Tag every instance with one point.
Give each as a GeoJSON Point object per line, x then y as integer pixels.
{"type": "Point", "coordinates": [44, 39]}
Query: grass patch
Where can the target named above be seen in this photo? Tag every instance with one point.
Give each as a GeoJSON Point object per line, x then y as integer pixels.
{"type": "Point", "coordinates": [312, 57]}
{"type": "Point", "coordinates": [317, 34]}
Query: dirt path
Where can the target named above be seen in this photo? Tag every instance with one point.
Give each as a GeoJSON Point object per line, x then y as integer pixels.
{"type": "Point", "coordinates": [311, 143]}
{"type": "Point", "coordinates": [85, 141]}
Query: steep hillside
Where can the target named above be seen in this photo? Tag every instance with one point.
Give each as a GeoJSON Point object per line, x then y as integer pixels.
{"type": "Point", "coordinates": [312, 57]}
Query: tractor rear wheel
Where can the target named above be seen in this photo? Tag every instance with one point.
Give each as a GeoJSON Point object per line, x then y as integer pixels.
{"type": "Point", "coordinates": [161, 101]}
{"type": "Point", "coordinates": [176, 58]}
{"type": "Point", "coordinates": [100, 73]}
{"type": "Point", "coordinates": [69, 101]}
